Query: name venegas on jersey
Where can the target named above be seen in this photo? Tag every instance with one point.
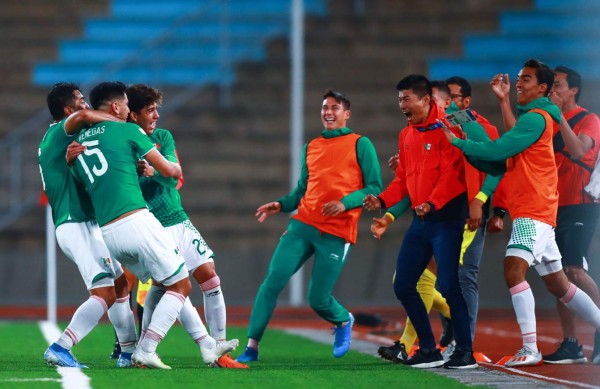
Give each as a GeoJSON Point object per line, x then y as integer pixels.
{"type": "Point", "coordinates": [91, 132]}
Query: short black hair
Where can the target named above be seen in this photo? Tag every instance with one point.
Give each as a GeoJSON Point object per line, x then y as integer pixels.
{"type": "Point", "coordinates": [573, 79]}
{"type": "Point", "coordinates": [339, 97]}
{"type": "Point", "coordinates": [140, 96]}
{"type": "Point", "coordinates": [543, 72]}
{"type": "Point", "coordinates": [106, 92]}
{"type": "Point", "coordinates": [441, 85]}
{"type": "Point", "coordinates": [59, 97]}
{"type": "Point", "coordinates": [418, 83]}
{"type": "Point", "coordinates": [465, 86]}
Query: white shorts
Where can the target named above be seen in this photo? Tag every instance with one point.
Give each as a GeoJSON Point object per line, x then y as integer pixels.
{"type": "Point", "coordinates": [194, 249]}
{"type": "Point", "coordinates": [143, 245]}
{"type": "Point", "coordinates": [534, 242]}
{"type": "Point", "coordinates": [82, 243]}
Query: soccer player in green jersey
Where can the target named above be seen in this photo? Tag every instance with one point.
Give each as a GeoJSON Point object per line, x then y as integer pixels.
{"type": "Point", "coordinates": [107, 168]}
{"type": "Point", "coordinates": [78, 233]}
{"type": "Point", "coordinates": [163, 199]}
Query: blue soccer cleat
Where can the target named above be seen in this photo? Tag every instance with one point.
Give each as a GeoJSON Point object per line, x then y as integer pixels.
{"type": "Point", "coordinates": [343, 338]}
{"type": "Point", "coordinates": [124, 360]}
{"type": "Point", "coordinates": [56, 355]}
{"type": "Point", "coordinates": [249, 355]}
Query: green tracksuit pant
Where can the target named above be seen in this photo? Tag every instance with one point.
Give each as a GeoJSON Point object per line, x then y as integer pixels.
{"type": "Point", "coordinates": [299, 243]}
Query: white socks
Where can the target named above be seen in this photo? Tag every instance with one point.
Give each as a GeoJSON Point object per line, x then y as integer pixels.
{"type": "Point", "coordinates": [86, 317]}
{"type": "Point", "coordinates": [164, 315]}
{"type": "Point", "coordinates": [191, 321]}
{"type": "Point", "coordinates": [214, 307]}
{"type": "Point", "coordinates": [121, 317]}
{"type": "Point", "coordinates": [524, 305]}
{"type": "Point", "coordinates": [579, 302]}
{"type": "Point", "coordinates": [153, 296]}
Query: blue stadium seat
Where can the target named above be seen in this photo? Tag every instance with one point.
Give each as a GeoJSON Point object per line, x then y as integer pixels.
{"type": "Point", "coordinates": [171, 42]}
{"type": "Point", "coordinates": [556, 32]}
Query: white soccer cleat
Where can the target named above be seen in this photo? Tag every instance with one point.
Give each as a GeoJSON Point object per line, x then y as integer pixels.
{"type": "Point", "coordinates": [149, 360]}
{"type": "Point", "coordinates": [525, 357]}
{"type": "Point", "coordinates": [211, 355]}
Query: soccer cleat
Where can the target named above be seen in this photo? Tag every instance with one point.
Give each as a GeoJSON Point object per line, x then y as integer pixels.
{"type": "Point", "coordinates": [426, 359]}
{"type": "Point", "coordinates": [56, 355]}
{"type": "Point", "coordinates": [525, 357]}
{"type": "Point", "coordinates": [124, 360]}
{"type": "Point", "coordinates": [448, 334]}
{"type": "Point", "coordinates": [211, 355]}
{"type": "Point", "coordinates": [226, 362]}
{"type": "Point", "coordinates": [141, 358]}
{"type": "Point", "coordinates": [596, 352]}
{"type": "Point", "coordinates": [395, 353]}
{"type": "Point", "coordinates": [448, 351]}
{"type": "Point", "coordinates": [116, 351]}
{"type": "Point", "coordinates": [249, 355]}
{"type": "Point", "coordinates": [567, 353]}
{"type": "Point", "coordinates": [343, 338]}
{"type": "Point", "coordinates": [461, 360]}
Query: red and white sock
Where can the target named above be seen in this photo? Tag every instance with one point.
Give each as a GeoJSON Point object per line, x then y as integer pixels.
{"type": "Point", "coordinates": [86, 317]}
{"type": "Point", "coordinates": [524, 305]}
{"type": "Point", "coordinates": [121, 317]}
{"type": "Point", "coordinates": [214, 307]}
{"type": "Point", "coordinates": [166, 312]}
{"type": "Point", "coordinates": [579, 302]}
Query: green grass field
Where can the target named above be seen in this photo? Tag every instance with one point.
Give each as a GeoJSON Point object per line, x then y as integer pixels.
{"type": "Point", "coordinates": [287, 361]}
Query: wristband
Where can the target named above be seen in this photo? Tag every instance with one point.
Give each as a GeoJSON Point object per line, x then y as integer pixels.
{"type": "Point", "coordinates": [482, 196]}
{"type": "Point", "coordinates": [390, 215]}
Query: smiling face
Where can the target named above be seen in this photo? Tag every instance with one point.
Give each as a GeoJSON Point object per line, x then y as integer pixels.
{"type": "Point", "coordinates": [333, 114]}
{"type": "Point", "coordinates": [146, 118]}
{"type": "Point", "coordinates": [528, 88]}
{"type": "Point", "coordinates": [415, 108]}
{"type": "Point", "coordinates": [561, 89]}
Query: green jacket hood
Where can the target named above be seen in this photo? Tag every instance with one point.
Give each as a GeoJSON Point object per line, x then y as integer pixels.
{"type": "Point", "coordinates": [542, 103]}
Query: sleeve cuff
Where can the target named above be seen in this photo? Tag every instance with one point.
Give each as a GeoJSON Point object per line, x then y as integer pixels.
{"type": "Point", "coordinates": [390, 215]}
{"type": "Point", "coordinates": [482, 196]}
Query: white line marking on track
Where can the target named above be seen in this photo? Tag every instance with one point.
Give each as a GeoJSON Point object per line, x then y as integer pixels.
{"type": "Point", "coordinates": [543, 377]}
{"type": "Point", "coordinates": [71, 378]}
{"type": "Point", "coordinates": [512, 334]}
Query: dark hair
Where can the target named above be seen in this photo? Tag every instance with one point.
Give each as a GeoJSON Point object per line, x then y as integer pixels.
{"type": "Point", "coordinates": [339, 97]}
{"type": "Point", "coordinates": [465, 86]}
{"type": "Point", "coordinates": [140, 96]}
{"type": "Point", "coordinates": [543, 72]}
{"type": "Point", "coordinates": [573, 79]}
{"type": "Point", "coordinates": [59, 97]}
{"type": "Point", "coordinates": [418, 83]}
{"type": "Point", "coordinates": [107, 92]}
{"type": "Point", "coordinates": [441, 85]}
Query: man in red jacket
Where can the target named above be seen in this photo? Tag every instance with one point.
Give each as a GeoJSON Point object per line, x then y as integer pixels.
{"type": "Point", "coordinates": [576, 150]}
{"type": "Point", "coordinates": [432, 174]}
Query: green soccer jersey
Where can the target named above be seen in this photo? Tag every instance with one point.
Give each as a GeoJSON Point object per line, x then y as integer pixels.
{"type": "Point", "coordinates": [68, 199]}
{"type": "Point", "coordinates": [107, 167]}
{"type": "Point", "coordinates": [161, 193]}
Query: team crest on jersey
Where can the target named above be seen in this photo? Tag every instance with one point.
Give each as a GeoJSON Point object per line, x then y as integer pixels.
{"type": "Point", "coordinates": [107, 261]}
{"type": "Point", "coordinates": [158, 145]}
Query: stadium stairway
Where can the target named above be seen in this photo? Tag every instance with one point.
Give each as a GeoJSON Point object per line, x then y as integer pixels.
{"type": "Point", "coordinates": [555, 31]}
{"type": "Point", "coordinates": [171, 42]}
{"type": "Point", "coordinates": [30, 29]}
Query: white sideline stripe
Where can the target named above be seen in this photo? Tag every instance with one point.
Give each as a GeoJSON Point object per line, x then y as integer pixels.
{"type": "Point", "coordinates": [543, 377]}
{"type": "Point", "coordinates": [512, 334]}
{"type": "Point", "coordinates": [511, 380]}
{"type": "Point", "coordinates": [71, 378]}
{"type": "Point", "coordinates": [31, 380]}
